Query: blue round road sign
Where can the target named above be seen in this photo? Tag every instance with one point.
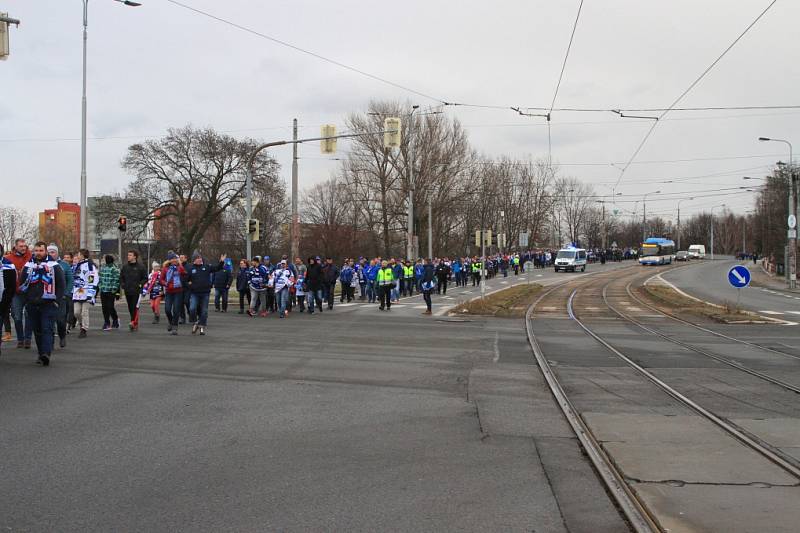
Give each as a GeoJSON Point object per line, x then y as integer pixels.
{"type": "Point", "coordinates": [739, 277]}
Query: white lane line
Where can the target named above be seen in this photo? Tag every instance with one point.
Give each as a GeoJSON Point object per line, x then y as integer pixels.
{"type": "Point", "coordinates": [794, 312]}
{"type": "Point", "coordinates": [634, 309]}
{"type": "Point", "coordinates": [420, 307]}
{"type": "Point", "coordinates": [496, 347]}
{"type": "Point", "coordinates": [771, 312]}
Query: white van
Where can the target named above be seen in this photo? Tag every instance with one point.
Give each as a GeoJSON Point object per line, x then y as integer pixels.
{"type": "Point", "coordinates": [697, 251]}
{"type": "Point", "coordinates": [570, 259]}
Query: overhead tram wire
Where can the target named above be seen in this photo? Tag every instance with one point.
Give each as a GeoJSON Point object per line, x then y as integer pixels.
{"type": "Point", "coordinates": [688, 89]}
{"type": "Point", "coordinates": [305, 51]}
{"type": "Point", "coordinates": [558, 85]}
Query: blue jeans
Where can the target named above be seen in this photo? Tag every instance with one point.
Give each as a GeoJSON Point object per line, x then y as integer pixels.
{"type": "Point", "coordinates": [18, 313]}
{"type": "Point", "coordinates": [42, 319]}
{"type": "Point", "coordinates": [173, 303]}
{"type": "Point", "coordinates": [282, 297]}
{"type": "Point", "coordinates": [372, 295]}
{"type": "Point", "coordinates": [313, 297]}
{"type": "Point", "coordinates": [198, 308]}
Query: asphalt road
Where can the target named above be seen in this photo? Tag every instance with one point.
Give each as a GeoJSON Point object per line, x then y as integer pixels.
{"type": "Point", "coordinates": [708, 280]}
{"type": "Point", "coordinates": [351, 420]}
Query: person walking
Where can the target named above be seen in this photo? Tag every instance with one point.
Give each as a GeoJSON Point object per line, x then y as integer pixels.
{"type": "Point", "coordinates": [172, 275]}
{"type": "Point", "coordinates": [314, 285]}
{"type": "Point", "coordinates": [281, 280]}
{"type": "Point", "coordinates": [42, 284]}
{"type": "Point", "coordinates": [257, 277]}
{"type": "Point", "coordinates": [330, 273]}
{"type": "Point", "coordinates": [66, 297]}
{"type": "Point", "coordinates": [154, 291]}
{"type": "Point", "coordinates": [132, 278]}
{"type": "Point", "coordinates": [346, 277]}
{"type": "Point", "coordinates": [442, 272]}
{"type": "Point", "coordinates": [242, 287]}
{"type": "Point", "coordinates": [109, 292]}
{"type": "Point", "coordinates": [199, 276]}
{"type": "Point", "coordinates": [427, 284]}
{"type": "Point", "coordinates": [222, 286]}
{"type": "Point", "coordinates": [19, 257]}
{"type": "Point", "coordinates": [8, 286]}
{"type": "Point", "coordinates": [386, 283]}
{"type": "Point", "coordinates": [84, 289]}
{"type": "Point", "coordinates": [184, 260]}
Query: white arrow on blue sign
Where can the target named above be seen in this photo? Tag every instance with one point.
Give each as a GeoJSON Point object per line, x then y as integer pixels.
{"type": "Point", "coordinates": [739, 277]}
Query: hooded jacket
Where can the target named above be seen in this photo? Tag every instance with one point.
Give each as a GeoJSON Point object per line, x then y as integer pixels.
{"type": "Point", "coordinates": [132, 278]}
{"type": "Point", "coordinates": [314, 277]}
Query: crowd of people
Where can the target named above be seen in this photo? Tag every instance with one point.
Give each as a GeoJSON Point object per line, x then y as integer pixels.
{"type": "Point", "coordinates": [48, 294]}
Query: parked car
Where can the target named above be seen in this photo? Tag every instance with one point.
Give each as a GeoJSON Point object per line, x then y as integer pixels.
{"type": "Point", "coordinates": [682, 255]}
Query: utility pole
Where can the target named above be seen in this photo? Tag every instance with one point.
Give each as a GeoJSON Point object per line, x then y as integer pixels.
{"type": "Point", "coordinates": [791, 245]}
{"type": "Point", "coordinates": [84, 237]}
{"type": "Point", "coordinates": [430, 228]}
{"type": "Point", "coordinates": [410, 229]}
{"type": "Point", "coordinates": [294, 231]}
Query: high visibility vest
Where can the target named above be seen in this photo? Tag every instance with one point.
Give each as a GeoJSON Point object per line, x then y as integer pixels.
{"type": "Point", "coordinates": [476, 267]}
{"type": "Point", "coordinates": [408, 272]}
{"type": "Point", "coordinates": [385, 276]}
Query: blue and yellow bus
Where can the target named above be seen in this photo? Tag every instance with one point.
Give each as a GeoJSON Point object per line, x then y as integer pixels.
{"type": "Point", "coordinates": [657, 251]}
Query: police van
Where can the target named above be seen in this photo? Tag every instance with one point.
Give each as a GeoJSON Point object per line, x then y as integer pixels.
{"type": "Point", "coordinates": [570, 259]}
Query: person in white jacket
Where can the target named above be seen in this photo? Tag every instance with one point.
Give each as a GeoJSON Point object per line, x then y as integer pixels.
{"type": "Point", "coordinates": [84, 289]}
{"type": "Point", "coordinates": [281, 279]}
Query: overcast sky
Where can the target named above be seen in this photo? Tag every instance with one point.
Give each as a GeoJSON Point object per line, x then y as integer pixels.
{"type": "Point", "coordinates": [161, 65]}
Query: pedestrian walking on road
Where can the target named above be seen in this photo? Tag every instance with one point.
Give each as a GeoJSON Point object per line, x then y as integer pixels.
{"type": "Point", "coordinates": [66, 298]}
{"type": "Point", "coordinates": [282, 280]}
{"type": "Point", "coordinates": [314, 285]}
{"type": "Point", "coordinates": [154, 290]}
{"type": "Point", "coordinates": [222, 285]}
{"type": "Point", "coordinates": [84, 290]}
{"type": "Point", "coordinates": [132, 278]}
{"type": "Point", "coordinates": [19, 257]}
{"type": "Point", "coordinates": [42, 284]}
{"type": "Point", "coordinates": [199, 276]}
{"type": "Point", "coordinates": [257, 277]}
{"type": "Point", "coordinates": [386, 283]}
{"type": "Point", "coordinates": [172, 274]}
{"type": "Point", "coordinates": [242, 287]}
{"type": "Point", "coordinates": [330, 273]}
{"type": "Point", "coordinates": [109, 292]}
{"type": "Point", "coordinates": [427, 284]}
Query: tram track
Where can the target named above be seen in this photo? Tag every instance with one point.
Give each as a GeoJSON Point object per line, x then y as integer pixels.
{"type": "Point", "coordinates": [630, 504]}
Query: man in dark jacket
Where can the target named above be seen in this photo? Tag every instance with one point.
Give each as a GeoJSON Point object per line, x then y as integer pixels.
{"type": "Point", "coordinates": [330, 273]}
{"type": "Point", "coordinates": [442, 274]}
{"type": "Point", "coordinates": [222, 284]}
{"type": "Point", "coordinates": [132, 278]}
{"type": "Point", "coordinates": [199, 282]}
{"type": "Point", "coordinates": [42, 283]}
{"type": "Point", "coordinates": [9, 280]}
{"type": "Point", "coordinates": [314, 285]}
{"type": "Point", "coordinates": [241, 286]}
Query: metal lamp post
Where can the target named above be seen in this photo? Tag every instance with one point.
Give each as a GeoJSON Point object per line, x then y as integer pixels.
{"type": "Point", "coordinates": [712, 229]}
{"type": "Point", "coordinates": [679, 219]}
{"type": "Point", "coordinates": [791, 252]}
{"type": "Point", "coordinates": [83, 226]}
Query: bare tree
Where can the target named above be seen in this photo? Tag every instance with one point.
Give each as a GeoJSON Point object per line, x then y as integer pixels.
{"type": "Point", "coordinates": [187, 180]}
{"type": "Point", "coordinates": [573, 199]}
{"type": "Point", "coordinates": [16, 223]}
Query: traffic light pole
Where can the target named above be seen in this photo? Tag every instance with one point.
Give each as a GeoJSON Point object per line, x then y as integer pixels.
{"type": "Point", "coordinates": [251, 161]}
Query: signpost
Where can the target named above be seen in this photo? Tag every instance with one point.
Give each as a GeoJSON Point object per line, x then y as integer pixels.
{"type": "Point", "coordinates": [739, 278]}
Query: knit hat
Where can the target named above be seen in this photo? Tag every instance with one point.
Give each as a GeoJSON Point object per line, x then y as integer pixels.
{"type": "Point", "coordinates": [52, 248]}
{"type": "Point", "coordinates": [171, 255]}
{"type": "Point", "coordinates": [196, 255]}
{"type": "Point", "coordinates": [156, 264]}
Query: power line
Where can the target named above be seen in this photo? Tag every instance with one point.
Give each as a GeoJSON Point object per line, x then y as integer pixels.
{"type": "Point", "coordinates": [627, 109]}
{"type": "Point", "coordinates": [689, 88]}
{"type": "Point", "coordinates": [566, 56]}
{"type": "Point", "coordinates": [305, 51]}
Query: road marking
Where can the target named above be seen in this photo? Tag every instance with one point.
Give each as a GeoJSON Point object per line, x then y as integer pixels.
{"type": "Point", "coordinates": [633, 309]}
{"type": "Point", "coordinates": [771, 312]}
{"type": "Point", "coordinates": [496, 347]}
{"type": "Point", "coordinates": [548, 308]}
{"type": "Point", "coordinates": [592, 308]}
{"type": "Point", "coordinates": [420, 307]}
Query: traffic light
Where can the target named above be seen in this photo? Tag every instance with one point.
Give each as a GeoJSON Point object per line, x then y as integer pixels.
{"type": "Point", "coordinates": [391, 132]}
{"type": "Point", "coordinates": [122, 223]}
{"type": "Point", "coordinates": [253, 229]}
{"type": "Point", "coordinates": [328, 146]}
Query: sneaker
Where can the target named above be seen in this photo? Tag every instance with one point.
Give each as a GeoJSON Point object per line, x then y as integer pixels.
{"type": "Point", "coordinates": [43, 360]}
{"type": "Point", "coordinates": [82, 334]}
{"type": "Point", "coordinates": [250, 313]}
{"type": "Point", "coordinates": [169, 327]}
{"type": "Point", "coordinates": [62, 342]}
{"type": "Point", "coordinates": [263, 313]}
{"type": "Point", "coordinates": [27, 344]}
{"type": "Point", "coordinates": [175, 331]}
{"type": "Point", "coordinates": [6, 336]}
{"type": "Point", "coordinates": [20, 344]}
{"type": "Point", "coordinates": [426, 313]}
{"type": "Point", "coordinates": [115, 324]}
{"type": "Point", "coordinates": [157, 319]}
{"type": "Point", "coordinates": [202, 330]}
{"type": "Point", "coordinates": [381, 308]}
{"type": "Point", "coordinates": [194, 329]}
{"type": "Point", "coordinates": [131, 326]}
{"type": "Point", "coordinates": [106, 328]}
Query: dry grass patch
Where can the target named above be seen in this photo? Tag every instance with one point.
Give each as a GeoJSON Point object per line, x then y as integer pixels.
{"type": "Point", "coordinates": [670, 300]}
{"type": "Point", "coordinates": [507, 303]}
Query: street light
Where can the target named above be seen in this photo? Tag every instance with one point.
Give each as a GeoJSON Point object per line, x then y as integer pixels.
{"type": "Point", "coordinates": [84, 237]}
{"type": "Point", "coordinates": [712, 229]}
{"type": "Point", "coordinates": [644, 214]}
{"type": "Point", "coordinates": [791, 255]}
{"type": "Point", "coordinates": [679, 219]}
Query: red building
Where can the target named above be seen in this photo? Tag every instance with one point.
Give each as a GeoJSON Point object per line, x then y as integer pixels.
{"type": "Point", "coordinates": [61, 225]}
